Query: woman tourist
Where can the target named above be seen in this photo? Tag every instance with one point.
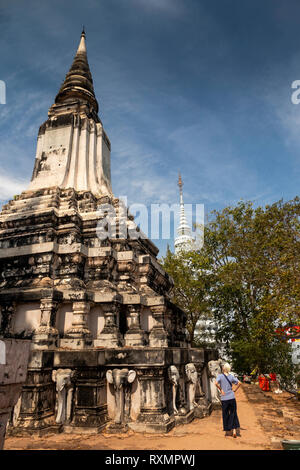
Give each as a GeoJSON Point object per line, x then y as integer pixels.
{"type": "Point", "coordinates": [224, 383]}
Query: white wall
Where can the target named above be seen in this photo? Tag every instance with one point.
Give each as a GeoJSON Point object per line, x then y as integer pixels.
{"type": "Point", "coordinates": [27, 317]}
{"type": "Point", "coordinates": [146, 319]}
{"type": "Point", "coordinates": [64, 318]}
{"type": "Point", "coordinates": [96, 321]}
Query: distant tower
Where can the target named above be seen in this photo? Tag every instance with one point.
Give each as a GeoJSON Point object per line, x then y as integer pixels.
{"type": "Point", "coordinates": [184, 241]}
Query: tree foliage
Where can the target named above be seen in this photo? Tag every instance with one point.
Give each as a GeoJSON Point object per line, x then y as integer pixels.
{"type": "Point", "coordinates": [248, 276]}
{"type": "Point", "coordinates": [190, 287]}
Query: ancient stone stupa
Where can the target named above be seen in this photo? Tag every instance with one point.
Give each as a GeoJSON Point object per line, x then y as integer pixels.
{"type": "Point", "coordinates": [108, 348]}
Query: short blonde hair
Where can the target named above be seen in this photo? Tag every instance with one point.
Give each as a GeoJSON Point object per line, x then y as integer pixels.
{"type": "Point", "coordinates": [226, 367]}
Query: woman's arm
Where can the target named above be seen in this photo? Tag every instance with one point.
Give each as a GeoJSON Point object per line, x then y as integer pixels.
{"type": "Point", "coordinates": [219, 387]}
{"type": "Point", "coordinates": [237, 386]}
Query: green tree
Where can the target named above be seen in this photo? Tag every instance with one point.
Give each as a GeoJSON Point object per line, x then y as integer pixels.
{"type": "Point", "coordinates": [191, 286]}
{"type": "Point", "coordinates": [254, 256]}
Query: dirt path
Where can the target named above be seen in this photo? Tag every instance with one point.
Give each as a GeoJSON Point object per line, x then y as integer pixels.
{"type": "Point", "coordinates": [201, 434]}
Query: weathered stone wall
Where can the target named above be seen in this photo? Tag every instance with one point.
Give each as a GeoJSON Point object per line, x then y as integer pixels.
{"type": "Point", "coordinates": [72, 152]}
{"type": "Point", "coordinates": [13, 373]}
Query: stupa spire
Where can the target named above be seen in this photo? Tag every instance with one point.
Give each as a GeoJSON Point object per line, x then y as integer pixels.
{"type": "Point", "coordinates": [73, 150]}
{"type": "Point", "coordinates": [78, 84]}
{"type": "Point", "coordinates": [184, 239]}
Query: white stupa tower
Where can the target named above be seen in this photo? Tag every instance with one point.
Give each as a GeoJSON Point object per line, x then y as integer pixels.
{"type": "Point", "coordinates": [184, 241]}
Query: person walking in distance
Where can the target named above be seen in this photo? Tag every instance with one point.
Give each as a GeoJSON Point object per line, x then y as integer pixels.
{"type": "Point", "coordinates": [224, 383]}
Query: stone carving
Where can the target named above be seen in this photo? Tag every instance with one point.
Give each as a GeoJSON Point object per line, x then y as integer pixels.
{"type": "Point", "coordinates": [121, 379]}
{"type": "Point", "coordinates": [192, 381]}
{"type": "Point", "coordinates": [110, 335]}
{"type": "Point", "coordinates": [64, 389]}
{"type": "Point", "coordinates": [43, 163]}
{"type": "Point", "coordinates": [174, 379]}
{"type": "Point", "coordinates": [214, 368]}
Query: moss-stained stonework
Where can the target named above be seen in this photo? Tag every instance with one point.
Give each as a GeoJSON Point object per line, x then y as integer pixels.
{"type": "Point", "coordinates": [88, 305]}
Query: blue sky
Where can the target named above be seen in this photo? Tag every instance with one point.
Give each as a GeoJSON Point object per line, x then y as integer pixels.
{"type": "Point", "coordinates": [197, 86]}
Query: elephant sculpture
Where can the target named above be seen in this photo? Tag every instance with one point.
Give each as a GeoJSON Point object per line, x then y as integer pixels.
{"type": "Point", "coordinates": [174, 379]}
{"type": "Point", "coordinates": [121, 379]}
{"type": "Point", "coordinates": [214, 368]}
{"type": "Point", "coordinates": [64, 395]}
{"type": "Point", "coordinates": [192, 381]}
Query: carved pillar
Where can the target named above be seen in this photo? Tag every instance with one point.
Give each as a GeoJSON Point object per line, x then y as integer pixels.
{"type": "Point", "coordinates": [134, 336]}
{"type": "Point", "coordinates": [79, 335]}
{"type": "Point", "coordinates": [205, 383]}
{"type": "Point", "coordinates": [110, 335]}
{"type": "Point", "coordinates": [158, 335]}
{"type": "Point", "coordinates": [90, 400]}
{"type": "Point", "coordinates": [46, 335]}
{"type": "Point", "coordinates": [79, 328]}
{"type": "Point", "coordinates": [170, 327]}
{"type": "Point", "coordinates": [153, 415]}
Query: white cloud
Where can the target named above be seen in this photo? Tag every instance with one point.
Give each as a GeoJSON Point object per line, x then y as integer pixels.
{"type": "Point", "coordinates": [168, 6]}
{"type": "Point", "coordinates": [288, 115]}
{"type": "Point", "coordinates": [10, 186]}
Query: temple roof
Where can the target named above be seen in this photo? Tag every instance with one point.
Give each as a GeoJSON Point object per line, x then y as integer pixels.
{"type": "Point", "coordinates": [78, 83]}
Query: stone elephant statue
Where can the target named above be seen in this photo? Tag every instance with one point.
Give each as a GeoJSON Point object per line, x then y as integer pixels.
{"type": "Point", "coordinates": [214, 369]}
{"type": "Point", "coordinates": [174, 379]}
{"type": "Point", "coordinates": [64, 393]}
{"type": "Point", "coordinates": [192, 382]}
{"type": "Point", "coordinates": [121, 379]}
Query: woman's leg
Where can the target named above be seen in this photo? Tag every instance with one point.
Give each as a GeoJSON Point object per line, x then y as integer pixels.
{"type": "Point", "coordinates": [225, 416]}
{"type": "Point", "coordinates": [230, 421]}
{"type": "Point", "coordinates": [235, 420]}
{"type": "Point", "coordinates": [230, 418]}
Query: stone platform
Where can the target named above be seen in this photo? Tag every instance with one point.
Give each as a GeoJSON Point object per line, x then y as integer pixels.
{"type": "Point", "coordinates": [146, 402]}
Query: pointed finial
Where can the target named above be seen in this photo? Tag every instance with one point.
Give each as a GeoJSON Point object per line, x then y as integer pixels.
{"type": "Point", "coordinates": [82, 46]}
{"type": "Point", "coordinates": [79, 81]}
{"type": "Point", "coordinates": [180, 183]}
